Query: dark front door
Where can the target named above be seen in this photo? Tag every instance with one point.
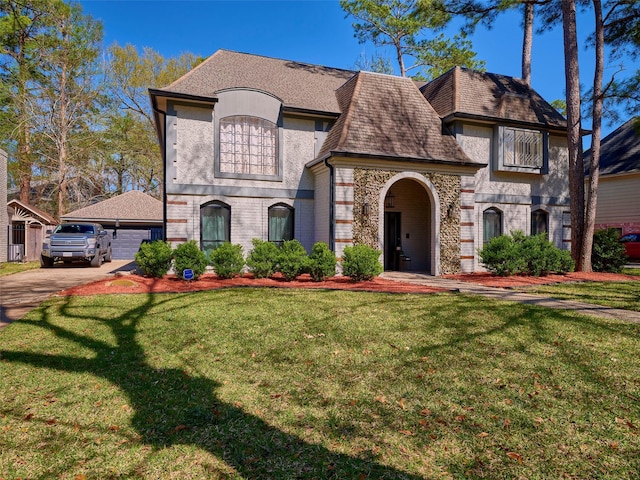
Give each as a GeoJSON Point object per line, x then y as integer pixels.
{"type": "Point", "coordinates": [392, 245]}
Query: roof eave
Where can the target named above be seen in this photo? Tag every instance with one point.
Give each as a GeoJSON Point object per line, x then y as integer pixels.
{"type": "Point", "coordinates": [493, 120]}
{"type": "Point", "coordinates": [395, 158]}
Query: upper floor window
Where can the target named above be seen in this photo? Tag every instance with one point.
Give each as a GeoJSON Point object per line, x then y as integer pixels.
{"type": "Point", "coordinates": [280, 223]}
{"type": "Point", "coordinates": [215, 225]}
{"type": "Point", "coordinates": [539, 222]}
{"type": "Point", "coordinates": [521, 150]}
{"type": "Point", "coordinates": [248, 145]}
{"type": "Point", "coordinates": [491, 224]}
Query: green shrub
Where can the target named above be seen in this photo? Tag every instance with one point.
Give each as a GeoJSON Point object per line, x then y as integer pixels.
{"type": "Point", "coordinates": [227, 260]}
{"type": "Point", "coordinates": [188, 255]}
{"type": "Point", "coordinates": [501, 256]}
{"type": "Point", "coordinates": [519, 254]}
{"type": "Point", "coordinates": [154, 259]}
{"type": "Point", "coordinates": [608, 254]}
{"type": "Point", "coordinates": [322, 262]}
{"type": "Point", "coordinates": [263, 259]}
{"type": "Point", "coordinates": [292, 259]}
{"type": "Point", "coordinates": [361, 262]}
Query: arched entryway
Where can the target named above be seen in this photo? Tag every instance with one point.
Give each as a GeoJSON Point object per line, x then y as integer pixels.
{"type": "Point", "coordinates": [409, 227]}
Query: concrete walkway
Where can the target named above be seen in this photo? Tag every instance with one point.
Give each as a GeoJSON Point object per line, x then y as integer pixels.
{"type": "Point", "coordinates": [24, 291]}
{"type": "Point", "coordinates": [514, 296]}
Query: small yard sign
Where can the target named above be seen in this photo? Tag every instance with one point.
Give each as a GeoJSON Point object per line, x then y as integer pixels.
{"type": "Point", "coordinates": [187, 274]}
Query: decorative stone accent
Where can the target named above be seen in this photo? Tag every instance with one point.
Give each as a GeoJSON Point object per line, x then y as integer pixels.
{"type": "Point", "coordinates": [368, 185]}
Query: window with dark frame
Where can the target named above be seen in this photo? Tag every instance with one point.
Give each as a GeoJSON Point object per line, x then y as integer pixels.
{"type": "Point", "coordinates": [539, 222]}
{"type": "Point", "coordinates": [280, 223]}
{"type": "Point", "coordinates": [491, 223]}
{"type": "Point", "coordinates": [215, 225]}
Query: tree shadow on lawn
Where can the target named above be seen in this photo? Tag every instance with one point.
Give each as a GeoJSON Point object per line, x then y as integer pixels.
{"type": "Point", "coordinates": [172, 407]}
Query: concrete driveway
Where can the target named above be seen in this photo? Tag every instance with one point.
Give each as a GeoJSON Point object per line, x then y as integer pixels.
{"type": "Point", "coordinates": [22, 292]}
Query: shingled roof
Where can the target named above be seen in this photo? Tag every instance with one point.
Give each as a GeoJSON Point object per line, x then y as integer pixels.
{"type": "Point", "coordinates": [620, 150]}
{"type": "Point", "coordinates": [467, 93]}
{"type": "Point", "coordinates": [132, 206]}
{"type": "Point", "coordinates": [387, 116]}
{"type": "Point", "coordinates": [298, 85]}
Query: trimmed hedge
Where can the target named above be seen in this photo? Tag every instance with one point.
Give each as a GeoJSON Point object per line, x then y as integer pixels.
{"type": "Point", "coordinates": [227, 260]}
{"type": "Point", "coordinates": [520, 254]}
{"type": "Point", "coordinates": [154, 259]}
{"type": "Point", "coordinates": [608, 254]}
{"type": "Point", "coordinates": [189, 256]}
{"type": "Point", "coordinates": [361, 262]}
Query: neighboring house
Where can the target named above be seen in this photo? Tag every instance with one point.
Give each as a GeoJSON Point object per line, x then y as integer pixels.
{"type": "Point", "coordinates": [4, 217]}
{"type": "Point", "coordinates": [256, 147]}
{"type": "Point", "coordinates": [619, 185]}
{"type": "Point", "coordinates": [130, 218]}
{"type": "Point", "coordinates": [28, 226]}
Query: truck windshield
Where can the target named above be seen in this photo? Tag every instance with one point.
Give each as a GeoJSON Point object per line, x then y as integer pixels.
{"type": "Point", "coordinates": [74, 229]}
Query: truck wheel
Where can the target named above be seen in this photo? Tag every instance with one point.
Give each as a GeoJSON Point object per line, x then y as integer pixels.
{"type": "Point", "coordinates": [107, 257]}
{"type": "Point", "coordinates": [46, 262]}
{"type": "Point", "coordinates": [96, 261]}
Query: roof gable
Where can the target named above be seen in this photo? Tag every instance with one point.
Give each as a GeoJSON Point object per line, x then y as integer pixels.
{"type": "Point", "coordinates": [299, 85]}
{"type": "Point", "coordinates": [133, 205]}
{"type": "Point", "coordinates": [468, 93]}
{"type": "Point", "coordinates": [386, 116]}
{"type": "Point", "coordinates": [25, 210]}
{"type": "Point", "coordinates": [620, 150]}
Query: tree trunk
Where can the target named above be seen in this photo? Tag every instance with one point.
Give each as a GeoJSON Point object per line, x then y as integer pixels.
{"type": "Point", "coordinates": [403, 70]}
{"type": "Point", "coordinates": [594, 162]}
{"type": "Point", "coordinates": [574, 128]}
{"type": "Point", "coordinates": [527, 42]}
{"type": "Point", "coordinates": [62, 142]}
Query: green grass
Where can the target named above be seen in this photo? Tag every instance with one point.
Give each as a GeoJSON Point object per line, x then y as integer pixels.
{"type": "Point", "coordinates": [9, 268]}
{"type": "Point", "coordinates": [281, 384]}
{"type": "Point", "coordinates": [631, 271]}
{"type": "Point", "coordinates": [625, 295]}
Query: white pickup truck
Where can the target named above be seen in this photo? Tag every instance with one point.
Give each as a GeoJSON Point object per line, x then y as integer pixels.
{"type": "Point", "coordinates": [76, 241]}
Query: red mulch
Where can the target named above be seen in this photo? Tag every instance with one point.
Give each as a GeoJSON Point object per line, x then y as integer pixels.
{"type": "Point", "coordinates": [171, 284]}
{"type": "Point", "coordinates": [514, 281]}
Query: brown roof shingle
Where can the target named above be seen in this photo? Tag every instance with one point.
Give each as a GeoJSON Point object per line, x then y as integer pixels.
{"type": "Point", "coordinates": [298, 85]}
{"type": "Point", "coordinates": [387, 116]}
{"type": "Point", "coordinates": [132, 206]}
{"type": "Point", "coordinates": [477, 94]}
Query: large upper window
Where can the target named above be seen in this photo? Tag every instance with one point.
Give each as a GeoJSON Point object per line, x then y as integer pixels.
{"type": "Point", "coordinates": [248, 145]}
{"type": "Point", "coordinates": [280, 223]}
{"type": "Point", "coordinates": [491, 223]}
{"type": "Point", "coordinates": [539, 222]}
{"type": "Point", "coordinates": [215, 225]}
{"type": "Point", "coordinates": [521, 149]}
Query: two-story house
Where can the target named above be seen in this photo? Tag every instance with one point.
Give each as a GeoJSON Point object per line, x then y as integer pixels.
{"type": "Point", "coordinates": [257, 147]}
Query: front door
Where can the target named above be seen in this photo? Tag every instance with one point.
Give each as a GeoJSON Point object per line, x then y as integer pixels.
{"type": "Point", "coordinates": [392, 245]}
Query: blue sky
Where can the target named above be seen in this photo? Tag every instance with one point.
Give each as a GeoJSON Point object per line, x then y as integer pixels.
{"type": "Point", "coordinates": [311, 31]}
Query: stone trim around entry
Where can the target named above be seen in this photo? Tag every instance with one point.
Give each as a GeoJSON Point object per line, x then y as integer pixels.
{"type": "Point", "coordinates": [370, 186]}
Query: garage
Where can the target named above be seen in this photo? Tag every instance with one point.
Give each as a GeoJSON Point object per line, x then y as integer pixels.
{"type": "Point", "coordinates": [130, 218]}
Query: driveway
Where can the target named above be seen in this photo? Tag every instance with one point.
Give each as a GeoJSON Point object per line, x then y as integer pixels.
{"type": "Point", "coordinates": [22, 292]}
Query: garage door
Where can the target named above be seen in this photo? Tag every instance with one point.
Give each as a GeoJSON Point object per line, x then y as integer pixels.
{"type": "Point", "coordinates": [125, 246]}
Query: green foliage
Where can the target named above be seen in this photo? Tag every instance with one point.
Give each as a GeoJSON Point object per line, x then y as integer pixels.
{"type": "Point", "coordinates": [402, 25]}
{"type": "Point", "coordinates": [322, 262]}
{"type": "Point", "coordinates": [608, 254]}
{"type": "Point", "coordinates": [292, 259]}
{"type": "Point", "coordinates": [188, 255]}
{"type": "Point", "coordinates": [361, 262]}
{"type": "Point", "coordinates": [227, 260]}
{"type": "Point", "coordinates": [154, 259]}
{"type": "Point", "coordinates": [519, 254]}
{"type": "Point", "coordinates": [263, 259]}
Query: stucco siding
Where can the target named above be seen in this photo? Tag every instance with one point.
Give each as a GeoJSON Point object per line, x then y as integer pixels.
{"type": "Point", "coordinates": [194, 145]}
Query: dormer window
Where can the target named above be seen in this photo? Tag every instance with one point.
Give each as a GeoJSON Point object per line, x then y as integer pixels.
{"type": "Point", "coordinates": [248, 146]}
{"type": "Point", "coordinates": [521, 150]}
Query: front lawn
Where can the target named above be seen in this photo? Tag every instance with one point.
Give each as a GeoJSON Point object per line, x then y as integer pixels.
{"type": "Point", "coordinates": [9, 268]}
{"type": "Point", "coordinates": [625, 295]}
{"type": "Point", "coordinates": [281, 384]}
